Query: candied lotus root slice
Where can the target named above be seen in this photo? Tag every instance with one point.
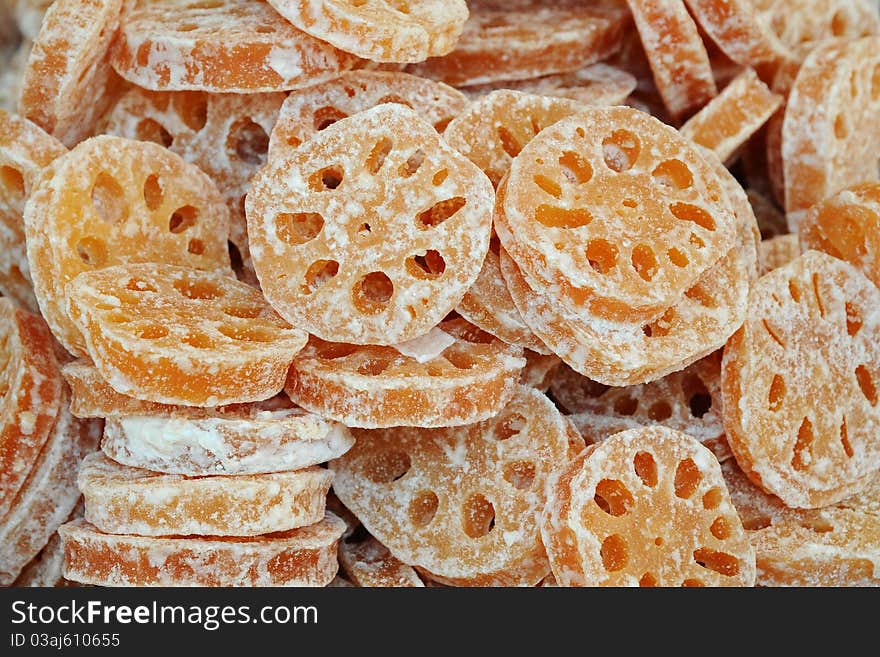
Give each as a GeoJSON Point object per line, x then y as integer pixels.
{"type": "Point", "coordinates": [830, 133]}
{"type": "Point", "coordinates": [736, 27]}
{"type": "Point", "coordinates": [123, 500]}
{"type": "Point", "coordinates": [647, 507]}
{"type": "Point", "coordinates": [25, 150]}
{"type": "Point", "coordinates": [175, 335]}
{"type": "Point", "coordinates": [847, 226]}
{"type": "Point", "coordinates": [526, 39]}
{"type": "Point", "coordinates": [688, 401]}
{"type": "Point", "coordinates": [368, 563]}
{"type": "Point", "coordinates": [454, 375]}
{"type": "Point", "coordinates": [676, 53]}
{"type": "Point", "coordinates": [113, 201]}
{"type": "Point", "coordinates": [30, 396]}
{"type": "Point", "coordinates": [224, 46]}
{"type": "Point", "coordinates": [814, 320]}
{"type": "Point", "coordinates": [309, 110]}
{"type": "Point", "coordinates": [372, 231]}
{"type": "Point", "coordinates": [462, 504]}
{"type": "Point", "coordinates": [576, 206]}
{"type": "Point", "coordinates": [494, 129]}
{"type": "Point", "coordinates": [68, 83]}
{"type": "Point", "coordinates": [381, 30]}
{"type": "Point", "coordinates": [225, 135]}
{"type": "Point", "coordinates": [297, 558]}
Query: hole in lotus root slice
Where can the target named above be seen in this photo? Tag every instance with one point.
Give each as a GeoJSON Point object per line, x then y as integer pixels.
{"type": "Point", "coordinates": [108, 199]}
{"type": "Point", "coordinates": [248, 334]}
{"type": "Point", "coordinates": [12, 184]}
{"type": "Point", "coordinates": [423, 508]}
{"type": "Point", "coordinates": [646, 468]}
{"type": "Point", "coordinates": [520, 474]}
{"type": "Point", "coordinates": [387, 467]}
{"type": "Point", "coordinates": [510, 426]}
{"type": "Point", "coordinates": [721, 562]}
{"type": "Point", "coordinates": [320, 273]}
{"type": "Point", "coordinates": [687, 478]}
{"type": "Point", "coordinates": [866, 384]}
{"type": "Point", "coordinates": [151, 130]}
{"type": "Point", "coordinates": [198, 290]}
{"type": "Point", "coordinates": [429, 265]}
{"type": "Point", "coordinates": [477, 516]}
{"type": "Point", "coordinates": [298, 227]}
{"type": "Point", "coordinates": [248, 142]}
{"type": "Point", "coordinates": [153, 195]}
{"type": "Point", "coordinates": [602, 255]}
{"type": "Point", "coordinates": [92, 251]}
{"type": "Point", "coordinates": [712, 498]}
{"type": "Point", "coordinates": [844, 439]}
{"type": "Point", "coordinates": [199, 341]}
{"type": "Point", "coordinates": [615, 553]}
{"type": "Point", "coordinates": [413, 164]}
{"type": "Point", "coordinates": [440, 212]}
{"type": "Point", "coordinates": [328, 178]}
{"type": "Point", "coordinates": [372, 292]}
{"type": "Point", "coordinates": [327, 116]}
{"type": "Point", "coordinates": [673, 174]}
{"type": "Point", "coordinates": [613, 497]}
{"type": "Point", "coordinates": [377, 156]}
{"type": "Point", "coordinates": [152, 332]}
{"type": "Point", "coordinates": [620, 150]}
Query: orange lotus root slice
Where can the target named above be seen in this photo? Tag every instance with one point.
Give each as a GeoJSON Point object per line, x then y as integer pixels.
{"type": "Point", "coordinates": [812, 320]}
{"type": "Point", "coordinates": [368, 563]}
{"type": "Point", "coordinates": [123, 500]}
{"type": "Point", "coordinates": [225, 135]}
{"type": "Point", "coordinates": [598, 84]}
{"type": "Point", "coordinates": [727, 121]}
{"type": "Point", "coordinates": [688, 401]}
{"type": "Point", "coordinates": [647, 507]}
{"type": "Point", "coordinates": [249, 442]}
{"type": "Point", "coordinates": [392, 31]}
{"type": "Point", "coordinates": [297, 558]}
{"type": "Point", "coordinates": [573, 214]}
{"type": "Point", "coordinates": [778, 251]}
{"type": "Point", "coordinates": [830, 135]}
{"type": "Point", "coordinates": [676, 54]}
{"type": "Point", "coordinates": [113, 201]}
{"type": "Point", "coordinates": [494, 129]}
{"type": "Point", "coordinates": [527, 39]}
{"type": "Point", "coordinates": [847, 226]}
{"type": "Point", "coordinates": [30, 396]}
{"type": "Point", "coordinates": [372, 231]}
{"type": "Point", "coordinates": [460, 503]}
{"type": "Point", "coordinates": [309, 110]}
{"type": "Point", "coordinates": [175, 335]}
{"type": "Point", "coordinates": [25, 150]}
{"type": "Point", "coordinates": [49, 494]}
{"type": "Point", "coordinates": [456, 374]}
{"type": "Point", "coordinates": [739, 31]}
{"type": "Point", "coordinates": [228, 46]}
{"type": "Point", "coordinates": [68, 83]}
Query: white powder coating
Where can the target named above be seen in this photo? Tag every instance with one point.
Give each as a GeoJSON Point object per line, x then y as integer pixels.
{"type": "Point", "coordinates": [123, 500]}
{"type": "Point", "coordinates": [298, 558]}
{"type": "Point", "coordinates": [527, 41]}
{"type": "Point", "coordinates": [507, 460]}
{"type": "Point", "coordinates": [269, 442]}
{"type": "Point", "coordinates": [173, 45]}
{"type": "Point", "coordinates": [778, 251]}
{"type": "Point", "coordinates": [427, 347]}
{"type": "Point", "coordinates": [663, 492]}
{"type": "Point", "coordinates": [740, 31]}
{"type": "Point", "coordinates": [810, 337]}
{"type": "Point", "coordinates": [379, 30]}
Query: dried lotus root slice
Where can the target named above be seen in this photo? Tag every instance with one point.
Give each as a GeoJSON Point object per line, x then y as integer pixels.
{"type": "Point", "coordinates": [830, 135]}
{"type": "Point", "coordinates": [813, 320]}
{"type": "Point", "coordinates": [49, 494]}
{"type": "Point", "coordinates": [729, 120]}
{"type": "Point", "coordinates": [384, 30]}
{"type": "Point", "coordinates": [527, 39]}
{"type": "Point", "coordinates": [368, 563]}
{"type": "Point", "coordinates": [30, 396]}
{"type": "Point", "coordinates": [736, 27]}
{"type": "Point", "coordinates": [372, 231]}
{"type": "Point", "coordinates": [123, 500]}
{"type": "Point", "coordinates": [25, 150]}
{"type": "Point", "coordinates": [778, 252]}
{"type": "Point", "coordinates": [599, 84]}
{"type": "Point", "coordinates": [688, 401]}
{"type": "Point", "coordinates": [454, 375]}
{"type": "Point", "coordinates": [225, 135]}
{"type": "Point", "coordinates": [676, 53]}
{"type": "Point", "coordinates": [487, 304]}
{"type": "Point", "coordinates": [847, 226]}
{"type": "Point", "coordinates": [494, 129]}
{"type": "Point", "coordinates": [309, 110]}
{"type": "Point", "coordinates": [539, 370]}
{"type": "Point", "coordinates": [573, 214]}
{"type": "Point", "coordinates": [461, 503]}
{"type": "Point", "coordinates": [175, 335]}
{"type": "Point", "coordinates": [113, 201]}
{"type": "Point", "coordinates": [771, 221]}
{"type": "Point", "coordinates": [228, 46]}
{"type": "Point", "coordinates": [68, 83]}
{"type": "Point", "coordinates": [647, 507]}
{"type": "Point", "coordinates": [256, 442]}
{"type": "Point", "coordinates": [297, 558]}
{"type": "Point", "coordinates": [625, 354]}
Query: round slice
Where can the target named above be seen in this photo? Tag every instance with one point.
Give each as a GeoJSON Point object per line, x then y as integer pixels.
{"type": "Point", "coordinates": [123, 500]}
{"type": "Point", "coordinates": [810, 337]}
{"type": "Point", "coordinates": [462, 503]}
{"type": "Point", "coordinates": [647, 507]}
{"type": "Point", "coordinates": [372, 231]}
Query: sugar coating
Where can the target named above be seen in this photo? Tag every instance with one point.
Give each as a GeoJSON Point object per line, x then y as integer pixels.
{"type": "Point", "coordinates": [778, 251]}
{"type": "Point", "coordinates": [370, 564]}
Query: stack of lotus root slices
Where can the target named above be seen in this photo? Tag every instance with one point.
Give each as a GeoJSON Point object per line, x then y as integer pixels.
{"type": "Point", "coordinates": [440, 293]}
